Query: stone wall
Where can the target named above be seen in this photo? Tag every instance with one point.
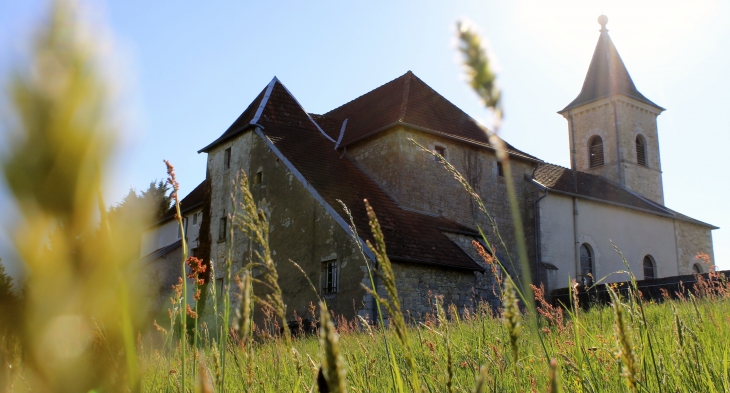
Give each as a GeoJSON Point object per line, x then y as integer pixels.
{"type": "Point", "coordinates": [691, 239]}
{"type": "Point", "coordinates": [418, 285]}
{"type": "Point", "coordinates": [635, 120]}
{"type": "Point", "coordinates": [632, 119]}
{"type": "Point", "coordinates": [416, 180]}
{"type": "Point", "coordinates": [300, 230]}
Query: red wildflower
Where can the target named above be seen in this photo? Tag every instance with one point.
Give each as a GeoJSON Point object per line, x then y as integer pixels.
{"type": "Point", "coordinates": [191, 313]}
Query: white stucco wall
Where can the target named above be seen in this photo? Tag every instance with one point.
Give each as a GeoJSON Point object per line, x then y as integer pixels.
{"type": "Point", "coordinates": [635, 233]}
{"type": "Point", "coordinates": [165, 234]}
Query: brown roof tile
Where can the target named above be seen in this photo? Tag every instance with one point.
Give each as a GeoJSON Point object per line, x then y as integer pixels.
{"type": "Point", "coordinates": [407, 100]}
{"type": "Point", "coordinates": [593, 186]}
{"type": "Point", "coordinates": [409, 236]}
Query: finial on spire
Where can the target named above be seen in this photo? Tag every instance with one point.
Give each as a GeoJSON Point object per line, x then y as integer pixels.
{"type": "Point", "coordinates": [603, 21]}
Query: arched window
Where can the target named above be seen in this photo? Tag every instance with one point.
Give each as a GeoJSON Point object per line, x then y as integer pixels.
{"type": "Point", "coordinates": [586, 264]}
{"type": "Point", "coordinates": [595, 151]}
{"type": "Point", "coordinates": [696, 268]}
{"type": "Point", "coordinates": [640, 150]}
{"type": "Point", "coordinates": [649, 271]}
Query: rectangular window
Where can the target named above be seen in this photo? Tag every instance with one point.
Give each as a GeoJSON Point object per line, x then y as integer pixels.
{"type": "Point", "coordinates": [500, 169]}
{"type": "Point", "coordinates": [227, 158]}
{"type": "Point", "coordinates": [259, 178]}
{"type": "Point", "coordinates": [222, 229]}
{"type": "Point", "coordinates": [440, 150]}
{"type": "Point", "coordinates": [329, 277]}
{"type": "Point", "coordinates": [195, 219]}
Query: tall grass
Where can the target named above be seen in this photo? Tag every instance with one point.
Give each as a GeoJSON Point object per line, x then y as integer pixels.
{"type": "Point", "coordinates": [594, 364]}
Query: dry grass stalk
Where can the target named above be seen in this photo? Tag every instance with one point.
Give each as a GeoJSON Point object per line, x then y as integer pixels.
{"type": "Point", "coordinates": [554, 386]}
{"type": "Point", "coordinates": [512, 317]}
{"type": "Point", "coordinates": [333, 366]}
{"type": "Point", "coordinates": [630, 366]}
{"type": "Point", "coordinates": [385, 272]}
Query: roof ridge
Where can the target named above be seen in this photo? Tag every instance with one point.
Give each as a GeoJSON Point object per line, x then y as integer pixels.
{"type": "Point", "coordinates": [305, 112]}
{"type": "Point", "coordinates": [264, 101]}
{"type": "Point", "coordinates": [364, 94]}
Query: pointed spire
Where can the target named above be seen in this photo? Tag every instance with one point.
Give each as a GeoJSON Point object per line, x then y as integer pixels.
{"type": "Point", "coordinates": [607, 75]}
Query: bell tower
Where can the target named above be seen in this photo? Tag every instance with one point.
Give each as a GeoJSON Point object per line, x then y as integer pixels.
{"type": "Point", "coordinates": [613, 127]}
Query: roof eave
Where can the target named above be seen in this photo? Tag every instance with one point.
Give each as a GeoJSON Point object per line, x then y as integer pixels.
{"type": "Point", "coordinates": [183, 211]}
{"type": "Point", "coordinates": [475, 268]}
{"type": "Point", "coordinates": [572, 194]}
{"type": "Point", "coordinates": [224, 138]}
{"type": "Point", "coordinates": [645, 101]}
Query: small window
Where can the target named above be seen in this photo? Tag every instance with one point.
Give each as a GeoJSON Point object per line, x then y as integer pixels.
{"type": "Point", "coordinates": [595, 151]}
{"type": "Point", "coordinates": [329, 277]}
{"type": "Point", "coordinates": [649, 271]}
{"type": "Point", "coordinates": [640, 150]}
{"type": "Point", "coordinates": [219, 286]}
{"type": "Point", "coordinates": [222, 229]}
{"type": "Point", "coordinates": [195, 219]}
{"type": "Point", "coordinates": [441, 151]}
{"type": "Point", "coordinates": [500, 169]}
{"type": "Point", "coordinates": [259, 178]}
{"type": "Point", "coordinates": [227, 158]}
{"type": "Point", "coordinates": [586, 265]}
{"type": "Point", "coordinates": [696, 268]}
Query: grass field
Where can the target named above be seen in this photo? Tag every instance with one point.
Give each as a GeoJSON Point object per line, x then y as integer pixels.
{"type": "Point", "coordinates": [676, 346]}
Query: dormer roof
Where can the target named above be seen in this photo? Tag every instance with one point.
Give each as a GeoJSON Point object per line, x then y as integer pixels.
{"type": "Point", "coordinates": [607, 75]}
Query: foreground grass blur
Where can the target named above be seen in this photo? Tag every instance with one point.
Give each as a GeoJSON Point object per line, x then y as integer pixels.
{"type": "Point", "coordinates": [82, 299]}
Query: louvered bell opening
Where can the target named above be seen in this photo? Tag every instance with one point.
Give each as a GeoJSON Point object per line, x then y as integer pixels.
{"type": "Point", "coordinates": [596, 153]}
{"type": "Point", "coordinates": [640, 151]}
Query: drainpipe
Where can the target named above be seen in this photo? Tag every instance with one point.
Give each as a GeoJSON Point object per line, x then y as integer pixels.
{"type": "Point", "coordinates": [538, 256]}
{"type": "Point", "coordinates": [576, 244]}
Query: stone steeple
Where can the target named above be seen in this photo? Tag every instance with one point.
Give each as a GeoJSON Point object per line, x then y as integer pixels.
{"type": "Point", "coordinates": [612, 126]}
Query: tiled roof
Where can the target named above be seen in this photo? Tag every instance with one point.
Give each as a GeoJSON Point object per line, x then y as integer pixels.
{"type": "Point", "coordinates": [409, 236]}
{"type": "Point", "coordinates": [191, 201]}
{"type": "Point", "coordinates": [161, 252]}
{"type": "Point", "coordinates": [558, 178]}
{"type": "Point", "coordinates": [409, 101]}
{"type": "Point", "coordinates": [607, 75]}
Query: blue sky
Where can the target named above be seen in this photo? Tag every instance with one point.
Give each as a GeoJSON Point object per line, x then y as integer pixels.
{"type": "Point", "coordinates": [188, 69]}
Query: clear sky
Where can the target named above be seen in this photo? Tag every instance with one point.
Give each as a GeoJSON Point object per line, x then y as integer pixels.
{"type": "Point", "coordinates": [190, 68]}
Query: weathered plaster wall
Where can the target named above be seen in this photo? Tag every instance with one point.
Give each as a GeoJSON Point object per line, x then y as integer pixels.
{"type": "Point", "coordinates": [417, 181]}
{"type": "Point", "coordinates": [691, 239]}
{"type": "Point", "coordinates": [299, 230]}
{"type": "Point", "coordinates": [636, 234]}
{"type": "Point", "coordinates": [632, 119]}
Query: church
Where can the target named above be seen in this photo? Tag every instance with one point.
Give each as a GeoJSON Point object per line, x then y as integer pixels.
{"type": "Point", "coordinates": [303, 167]}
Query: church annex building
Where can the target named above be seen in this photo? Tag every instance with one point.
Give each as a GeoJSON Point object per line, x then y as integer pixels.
{"type": "Point", "coordinates": [300, 164]}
